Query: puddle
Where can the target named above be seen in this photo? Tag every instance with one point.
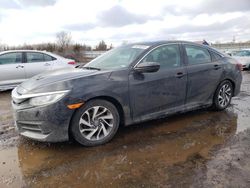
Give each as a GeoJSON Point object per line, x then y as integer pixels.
{"type": "Point", "coordinates": [138, 155]}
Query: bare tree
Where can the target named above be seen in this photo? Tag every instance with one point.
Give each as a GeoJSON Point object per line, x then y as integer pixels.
{"type": "Point", "coordinates": [77, 48]}
{"type": "Point", "coordinates": [102, 46]}
{"type": "Point", "coordinates": [111, 47]}
{"type": "Point", "coordinates": [63, 40]}
{"type": "Point", "coordinates": [1, 46]}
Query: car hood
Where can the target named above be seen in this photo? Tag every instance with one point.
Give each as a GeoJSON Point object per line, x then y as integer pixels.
{"type": "Point", "coordinates": [54, 77]}
{"type": "Point", "coordinates": [242, 60]}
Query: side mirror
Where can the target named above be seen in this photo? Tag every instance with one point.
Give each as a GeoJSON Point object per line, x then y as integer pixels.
{"type": "Point", "coordinates": [147, 67]}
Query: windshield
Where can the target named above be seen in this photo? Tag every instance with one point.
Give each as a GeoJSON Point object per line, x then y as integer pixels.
{"type": "Point", "coordinates": [241, 53]}
{"type": "Point", "coordinates": [120, 57]}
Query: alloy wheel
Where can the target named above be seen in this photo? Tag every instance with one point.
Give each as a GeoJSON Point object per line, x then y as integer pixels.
{"type": "Point", "coordinates": [96, 123]}
{"type": "Point", "coordinates": [225, 94]}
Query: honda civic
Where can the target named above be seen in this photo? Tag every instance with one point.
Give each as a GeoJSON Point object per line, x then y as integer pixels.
{"type": "Point", "coordinates": [127, 85]}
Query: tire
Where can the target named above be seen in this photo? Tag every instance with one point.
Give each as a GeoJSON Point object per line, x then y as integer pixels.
{"type": "Point", "coordinates": [95, 123]}
{"type": "Point", "coordinates": [223, 95]}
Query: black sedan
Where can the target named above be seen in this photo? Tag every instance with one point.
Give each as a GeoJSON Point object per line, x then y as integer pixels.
{"type": "Point", "coordinates": [127, 85]}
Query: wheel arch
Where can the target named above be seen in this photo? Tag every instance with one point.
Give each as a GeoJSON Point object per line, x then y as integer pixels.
{"type": "Point", "coordinates": [112, 100]}
{"type": "Point", "coordinates": [231, 81]}
{"type": "Point", "coordinates": [214, 107]}
{"type": "Point", "coordinates": [115, 102]}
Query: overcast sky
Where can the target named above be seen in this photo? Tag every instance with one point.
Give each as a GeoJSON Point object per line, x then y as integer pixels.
{"type": "Point", "coordinates": [116, 21]}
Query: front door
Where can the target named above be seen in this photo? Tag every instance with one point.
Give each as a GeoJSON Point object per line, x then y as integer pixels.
{"type": "Point", "coordinates": [162, 91]}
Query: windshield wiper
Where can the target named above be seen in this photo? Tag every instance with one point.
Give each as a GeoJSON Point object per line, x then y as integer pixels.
{"type": "Point", "coordinates": [89, 68]}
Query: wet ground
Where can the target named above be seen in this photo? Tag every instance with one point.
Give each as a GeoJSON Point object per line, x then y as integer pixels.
{"type": "Point", "coordinates": [196, 149]}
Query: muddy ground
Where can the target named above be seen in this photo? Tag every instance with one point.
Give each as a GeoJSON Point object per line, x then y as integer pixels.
{"type": "Point", "coordinates": [196, 149]}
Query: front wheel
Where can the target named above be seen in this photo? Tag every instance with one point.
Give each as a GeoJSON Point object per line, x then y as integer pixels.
{"type": "Point", "coordinates": [223, 95]}
{"type": "Point", "coordinates": [95, 123]}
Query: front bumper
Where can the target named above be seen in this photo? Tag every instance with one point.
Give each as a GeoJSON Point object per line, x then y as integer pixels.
{"type": "Point", "coordinates": [47, 123]}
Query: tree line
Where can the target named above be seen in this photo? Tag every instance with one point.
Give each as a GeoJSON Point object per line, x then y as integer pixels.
{"type": "Point", "coordinates": [63, 45]}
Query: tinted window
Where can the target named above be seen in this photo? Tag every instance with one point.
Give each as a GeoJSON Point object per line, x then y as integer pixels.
{"type": "Point", "coordinates": [197, 55]}
{"type": "Point", "coordinates": [215, 56]}
{"type": "Point", "coordinates": [168, 56]}
{"type": "Point", "coordinates": [34, 57]}
{"type": "Point", "coordinates": [10, 58]}
{"type": "Point", "coordinates": [48, 58]}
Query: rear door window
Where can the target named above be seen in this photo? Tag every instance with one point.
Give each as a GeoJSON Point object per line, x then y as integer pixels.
{"type": "Point", "coordinates": [48, 58]}
{"type": "Point", "coordinates": [11, 58]}
{"type": "Point", "coordinates": [215, 56]}
{"type": "Point", "coordinates": [197, 55]}
{"type": "Point", "coordinates": [33, 57]}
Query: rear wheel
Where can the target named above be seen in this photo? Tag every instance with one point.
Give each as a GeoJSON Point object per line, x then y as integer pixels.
{"type": "Point", "coordinates": [95, 123]}
{"type": "Point", "coordinates": [223, 95]}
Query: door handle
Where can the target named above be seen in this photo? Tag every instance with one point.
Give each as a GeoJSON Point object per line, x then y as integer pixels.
{"type": "Point", "coordinates": [19, 66]}
{"type": "Point", "coordinates": [46, 64]}
{"type": "Point", "coordinates": [216, 67]}
{"type": "Point", "coordinates": [179, 75]}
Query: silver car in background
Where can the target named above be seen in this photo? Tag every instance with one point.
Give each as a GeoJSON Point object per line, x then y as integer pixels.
{"type": "Point", "coordinates": [243, 57]}
{"type": "Point", "coordinates": [18, 65]}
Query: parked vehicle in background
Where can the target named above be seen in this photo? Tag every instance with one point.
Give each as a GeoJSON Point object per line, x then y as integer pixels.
{"type": "Point", "coordinates": [243, 56]}
{"type": "Point", "coordinates": [126, 85]}
{"type": "Point", "coordinates": [18, 65]}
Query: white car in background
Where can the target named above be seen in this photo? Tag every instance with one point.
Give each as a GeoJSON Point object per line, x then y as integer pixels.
{"type": "Point", "coordinates": [243, 57]}
{"type": "Point", "coordinates": [18, 65]}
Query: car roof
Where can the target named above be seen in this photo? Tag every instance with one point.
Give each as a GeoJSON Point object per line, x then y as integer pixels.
{"type": "Point", "coordinates": [45, 52]}
{"type": "Point", "coordinates": [8, 51]}
{"type": "Point", "coordinates": [156, 43]}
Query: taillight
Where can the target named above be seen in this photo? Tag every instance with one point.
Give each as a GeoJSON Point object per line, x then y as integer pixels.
{"type": "Point", "coordinates": [71, 63]}
{"type": "Point", "coordinates": [239, 66]}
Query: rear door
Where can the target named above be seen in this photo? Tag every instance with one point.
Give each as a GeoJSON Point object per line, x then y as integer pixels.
{"type": "Point", "coordinates": [203, 75]}
{"type": "Point", "coordinates": [11, 69]}
{"type": "Point", "coordinates": [36, 63]}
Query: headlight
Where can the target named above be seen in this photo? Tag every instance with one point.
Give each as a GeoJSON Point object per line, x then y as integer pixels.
{"type": "Point", "coordinates": [46, 99]}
